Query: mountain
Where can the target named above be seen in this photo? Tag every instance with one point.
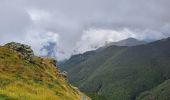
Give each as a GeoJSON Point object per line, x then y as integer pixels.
{"type": "Point", "coordinates": [127, 42]}
{"type": "Point", "coordinates": [121, 72]}
{"type": "Point", "coordinates": [24, 76]}
{"type": "Point", "coordinates": [75, 59]}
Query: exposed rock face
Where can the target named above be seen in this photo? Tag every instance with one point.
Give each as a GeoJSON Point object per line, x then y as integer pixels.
{"type": "Point", "coordinates": [25, 51]}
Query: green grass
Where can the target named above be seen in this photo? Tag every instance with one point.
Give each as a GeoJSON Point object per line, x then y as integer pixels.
{"type": "Point", "coordinates": [22, 80]}
{"type": "Point", "coordinates": [4, 97]}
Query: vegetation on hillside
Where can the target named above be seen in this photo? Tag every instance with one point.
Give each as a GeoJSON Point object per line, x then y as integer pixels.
{"type": "Point", "coordinates": [160, 92]}
{"type": "Point", "coordinates": [34, 79]}
{"type": "Point", "coordinates": [122, 73]}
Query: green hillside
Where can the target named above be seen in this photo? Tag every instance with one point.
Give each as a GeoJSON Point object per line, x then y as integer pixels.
{"type": "Point", "coordinates": [122, 73]}
{"type": "Point", "coordinates": [24, 76]}
{"type": "Point", "coordinates": [161, 92]}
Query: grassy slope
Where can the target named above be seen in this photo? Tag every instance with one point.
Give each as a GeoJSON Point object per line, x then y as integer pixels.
{"type": "Point", "coordinates": [20, 79]}
{"type": "Point", "coordinates": [123, 73]}
{"type": "Point", "coordinates": [161, 92]}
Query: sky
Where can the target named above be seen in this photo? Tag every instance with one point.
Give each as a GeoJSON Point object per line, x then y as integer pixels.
{"type": "Point", "coordinates": [62, 28]}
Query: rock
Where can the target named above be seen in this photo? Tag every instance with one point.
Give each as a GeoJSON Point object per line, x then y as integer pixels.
{"type": "Point", "coordinates": [23, 50]}
{"type": "Point", "coordinates": [64, 74]}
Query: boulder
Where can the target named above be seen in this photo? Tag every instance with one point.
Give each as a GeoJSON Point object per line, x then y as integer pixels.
{"type": "Point", "coordinates": [24, 51]}
{"type": "Point", "coordinates": [64, 74]}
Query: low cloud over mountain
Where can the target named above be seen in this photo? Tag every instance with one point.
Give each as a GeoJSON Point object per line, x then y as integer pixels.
{"type": "Point", "coordinates": [80, 25]}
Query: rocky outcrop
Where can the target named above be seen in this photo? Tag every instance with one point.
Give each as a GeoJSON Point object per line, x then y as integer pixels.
{"type": "Point", "coordinates": [64, 74]}
{"type": "Point", "coordinates": [23, 50]}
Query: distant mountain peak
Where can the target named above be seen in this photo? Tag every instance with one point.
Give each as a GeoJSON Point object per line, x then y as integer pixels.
{"type": "Point", "coordinates": [131, 39]}
{"type": "Point", "coordinates": [127, 42]}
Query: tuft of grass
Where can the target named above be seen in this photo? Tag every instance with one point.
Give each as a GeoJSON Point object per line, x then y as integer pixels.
{"type": "Point", "coordinates": [4, 97]}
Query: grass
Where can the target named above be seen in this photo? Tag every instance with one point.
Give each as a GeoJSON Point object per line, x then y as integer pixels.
{"type": "Point", "coordinates": [23, 80]}
{"type": "Point", "coordinates": [34, 92]}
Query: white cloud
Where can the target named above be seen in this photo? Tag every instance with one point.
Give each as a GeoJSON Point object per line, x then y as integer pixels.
{"type": "Point", "coordinates": [39, 40]}
{"type": "Point", "coordinates": [38, 15]}
{"type": "Point", "coordinates": [95, 38]}
{"type": "Point", "coordinates": [150, 35]}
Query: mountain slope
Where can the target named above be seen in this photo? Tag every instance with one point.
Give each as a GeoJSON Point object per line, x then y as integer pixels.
{"type": "Point", "coordinates": [160, 92]}
{"type": "Point", "coordinates": [122, 73]}
{"type": "Point", "coordinates": [24, 76]}
{"type": "Point", "coordinates": [83, 69]}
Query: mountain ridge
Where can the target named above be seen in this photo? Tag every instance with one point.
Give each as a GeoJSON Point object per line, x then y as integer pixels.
{"type": "Point", "coordinates": [124, 42]}
{"type": "Point", "coordinates": [127, 42]}
{"type": "Point", "coordinates": [122, 72]}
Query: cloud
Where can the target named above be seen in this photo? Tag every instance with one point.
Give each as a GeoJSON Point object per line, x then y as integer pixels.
{"type": "Point", "coordinates": [14, 21]}
{"type": "Point", "coordinates": [38, 15]}
{"type": "Point", "coordinates": [41, 40]}
{"type": "Point", "coordinates": [81, 25]}
{"type": "Point", "coordinates": [95, 38]}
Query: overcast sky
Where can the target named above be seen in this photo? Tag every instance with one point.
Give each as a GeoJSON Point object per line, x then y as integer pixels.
{"type": "Point", "coordinates": [76, 26]}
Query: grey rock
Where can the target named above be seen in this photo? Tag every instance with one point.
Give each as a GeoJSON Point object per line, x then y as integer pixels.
{"type": "Point", "coordinates": [23, 50]}
{"type": "Point", "coordinates": [64, 74]}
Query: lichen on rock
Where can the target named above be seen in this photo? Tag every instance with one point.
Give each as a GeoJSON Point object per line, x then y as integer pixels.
{"type": "Point", "coordinates": [23, 50]}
